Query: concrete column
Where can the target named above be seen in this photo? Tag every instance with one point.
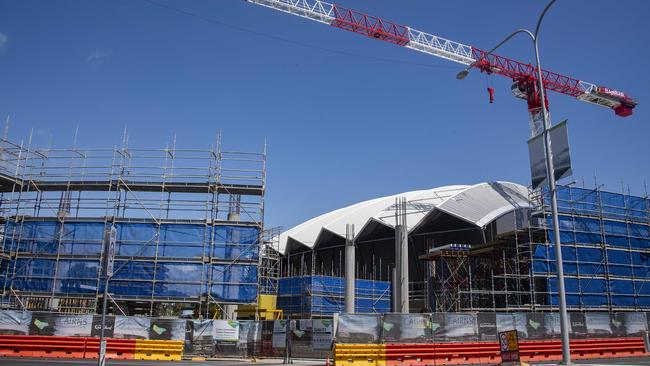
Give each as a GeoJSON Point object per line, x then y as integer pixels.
{"type": "Point", "coordinates": [350, 275]}
{"type": "Point", "coordinates": [404, 257]}
{"type": "Point", "coordinates": [394, 289]}
{"type": "Point", "coordinates": [397, 272]}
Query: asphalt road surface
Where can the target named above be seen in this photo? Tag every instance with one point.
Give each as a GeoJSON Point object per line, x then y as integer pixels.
{"type": "Point", "coordinates": [22, 361]}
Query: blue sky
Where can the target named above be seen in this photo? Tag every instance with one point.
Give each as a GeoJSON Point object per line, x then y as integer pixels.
{"type": "Point", "coordinates": [347, 118]}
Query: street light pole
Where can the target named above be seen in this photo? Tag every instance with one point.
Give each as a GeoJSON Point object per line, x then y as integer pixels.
{"type": "Point", "coordinates": [564, 321]}
{"type": "Point", "coordinates": [108, 261]}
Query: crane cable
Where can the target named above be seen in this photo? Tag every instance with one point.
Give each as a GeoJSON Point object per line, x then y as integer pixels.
{"type": "Point", "coordinates": [289, 41]}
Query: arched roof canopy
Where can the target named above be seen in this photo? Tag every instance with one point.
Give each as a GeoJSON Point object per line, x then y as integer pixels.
{"type": "Point", "coordinates": [476, 205]}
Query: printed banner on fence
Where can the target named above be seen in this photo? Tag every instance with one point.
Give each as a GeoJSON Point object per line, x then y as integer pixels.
{"type": "Point", "coordinates": [406, 328]}
{"type": "Point", "coordinates": [357, 328]}
{"type": "Point", "coordinates": [535, 326]}
{"type": "Point", "coordinates": [96, 330]}
{"type": "Point", "coordinates": [618, 324]}
{"type": "Point", "coordinates": [73, 325]}
{"type": "Point", "coordinates": [508, 321]}
{"type": "Point", "coordinates": [167, 329]}
{"type": "Point", "coordinates": [598, 324]}
{"type": "Point", "coordinates": [635, 324]}
{"type": "Point", "coordinates": [225, 330]}
{"type": "Point", "coordinates": [552, 327]}
{"type": "Point", "coordinates": [461, 326]}
{"type": "Point", "coordinates": [279, 337]}
{"type": "Point", "coordinates": [202, 330]}
{"type": "Point", "coordinates": [577, 325]}
{"type": "Point", "coordinates": [321, 334]}
{"type": "Point", "coordinates": [42, 324]}
{"type": "Point", "coordinates": [300, 330]}
{"type": "Point", "coordinates": [131, 327]}
{"type": "Point", "coordinates": [249, 332]}
{"type": "Point", "coordinates": [487, 326]}
{"type": "Point", "coordinates": [15, 322]}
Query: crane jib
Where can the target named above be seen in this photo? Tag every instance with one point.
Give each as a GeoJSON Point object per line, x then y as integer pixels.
{"type": "Point", "coordinates": [370, 26]}
{"type": "Point", "coordinates": [521, 73]}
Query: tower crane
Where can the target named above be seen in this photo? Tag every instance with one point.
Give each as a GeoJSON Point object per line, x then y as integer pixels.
{"type": "Point", "coordinates": [524, 76]}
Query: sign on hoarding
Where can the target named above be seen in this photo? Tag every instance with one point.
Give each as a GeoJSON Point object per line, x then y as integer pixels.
{"type": "Point", "coordinates": [509, 346]}
{"type": "Point", "coordinates": [225, 330]}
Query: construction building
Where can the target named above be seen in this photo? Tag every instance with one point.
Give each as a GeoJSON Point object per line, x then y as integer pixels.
{"type": "Point", "coordinates": [188, 224]}
{"type": "Point", "coordinates": [487, 247]}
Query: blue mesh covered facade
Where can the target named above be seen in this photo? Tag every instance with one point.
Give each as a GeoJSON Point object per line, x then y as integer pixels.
{"type": "Point", "coordinates": [153, 261]}
{"type": "Point", "coordinates": [605, 241]}
{"type": "Point", "coordinates": [188, 226]}
{"type": "Point", "coordinates": [315, 296]}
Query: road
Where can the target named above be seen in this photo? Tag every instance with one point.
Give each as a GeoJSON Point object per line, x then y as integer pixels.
{"type": "Point", "coordinates": [22, 361]}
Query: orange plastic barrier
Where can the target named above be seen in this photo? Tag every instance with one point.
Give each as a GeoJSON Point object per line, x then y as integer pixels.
{"type": "Point", "coordinates": [42, 346]}
{"type": "Point", "coordinates": [116, 349]}
{"type": "Point", "coordinates": [64, 347]}
{"type": "Point", "coordinates": [442, 353]}
{"type": "Point", "coordinates": [582, 349]}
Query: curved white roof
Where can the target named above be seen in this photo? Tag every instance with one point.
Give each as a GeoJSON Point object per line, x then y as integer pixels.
{"type": "Point", "coordinates": [478, 204]}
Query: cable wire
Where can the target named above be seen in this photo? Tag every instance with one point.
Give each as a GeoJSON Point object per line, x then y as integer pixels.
{"type": "Point", "coordinates": [289, 41]}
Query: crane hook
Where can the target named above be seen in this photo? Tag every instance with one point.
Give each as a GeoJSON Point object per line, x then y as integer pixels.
{"type": "Point", "coordinates": [491, 93]}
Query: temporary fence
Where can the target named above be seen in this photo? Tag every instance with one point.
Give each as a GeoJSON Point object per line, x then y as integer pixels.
{"type": "Point", "coordinates": [471, 338]}
{"type": "Point", "coordinates": [161, 338]}
{"type": "Point", "coordinates": [62, 335]}
{"type": "Point", "coordinates": [475, 327]}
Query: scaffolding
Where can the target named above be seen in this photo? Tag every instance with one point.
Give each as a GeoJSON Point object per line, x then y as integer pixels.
{"type": "Point", "coordinates": [269, 268]}
{"type": "Point", "coordinates": [605, 240]}
{"type": "Point", "coordinates": [189, 223]}
{"type": "Point", "coordinates": [449, 271]}
{"type": "Point", "coordinates": [322, 296]}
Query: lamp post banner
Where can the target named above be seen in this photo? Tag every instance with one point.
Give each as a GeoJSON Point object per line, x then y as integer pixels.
{"type": "Point", "coordinates": [559, 135]}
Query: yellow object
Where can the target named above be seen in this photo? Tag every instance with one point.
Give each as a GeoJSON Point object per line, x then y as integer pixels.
{"type": "Point", "coordinates": [359, 355]}
{"type": "Point", "coordinates": [146, 349]}
{"type": "Point", "coordinates": [266, 309]}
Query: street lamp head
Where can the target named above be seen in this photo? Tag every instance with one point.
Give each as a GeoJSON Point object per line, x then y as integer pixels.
{"type": "Point", "coordinates": [461, 75]}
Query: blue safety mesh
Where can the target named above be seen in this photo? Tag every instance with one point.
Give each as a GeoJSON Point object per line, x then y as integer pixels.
{"type": "Point", "coordinates": [324, 295]}
{"type": "Point", "coordinates": [236, 242]}
{"type": "Point", "coordinates": [603, 235]}
{"type": "Point", "coordinates": [179, 272]}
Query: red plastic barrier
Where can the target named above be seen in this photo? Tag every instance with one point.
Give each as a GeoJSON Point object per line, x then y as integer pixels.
{"type": "Point", "coordinates": [42, 346]}
{"type": "Point", "coordinates": [64, 347]}
{"type": "Point", "coordinates": [442, 353]}
{"type": "Point", "coordinates": [116, 349]}
{"type": "Point", "coordinates": [583, 349]}
{"type": "Point", "coordinates": [488, 352]}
